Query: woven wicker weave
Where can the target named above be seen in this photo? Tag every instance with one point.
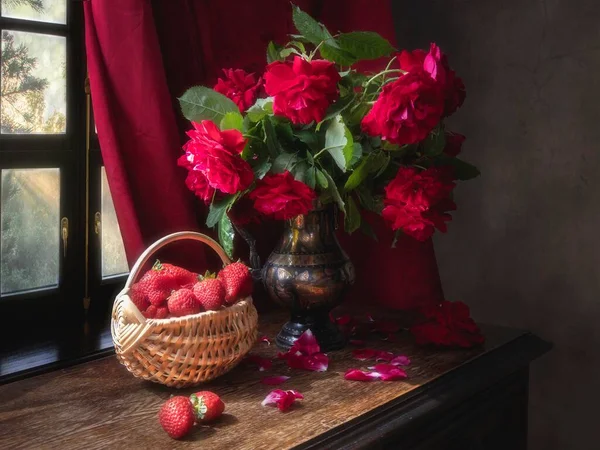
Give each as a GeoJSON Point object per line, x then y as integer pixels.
{"type": "Point", "coordinates": [181, 351]}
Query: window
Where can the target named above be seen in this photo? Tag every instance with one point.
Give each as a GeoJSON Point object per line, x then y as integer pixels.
{"type": "Point", "coordinates": [60, 241]}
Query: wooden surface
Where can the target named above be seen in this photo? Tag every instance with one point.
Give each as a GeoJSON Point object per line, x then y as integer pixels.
{"type": "Point", "coordinates": [100, 405]}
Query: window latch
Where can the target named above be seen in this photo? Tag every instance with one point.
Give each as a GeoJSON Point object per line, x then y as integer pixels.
{"type": "Point", "coordinates": [64, 232]}
{"type": "Point", "coordinates": [97, 222]}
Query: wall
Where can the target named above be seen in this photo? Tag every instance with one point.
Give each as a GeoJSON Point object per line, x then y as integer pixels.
{"type": "Point", "coordinates": [523, 249]}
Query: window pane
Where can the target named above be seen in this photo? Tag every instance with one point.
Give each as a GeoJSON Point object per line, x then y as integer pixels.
{"type": "Point", "coordinates": [114, 261]}
{"type": "Point", "coordinates": [30, 244]}
{"type": "Point", "coordinates": [54, 11]}
{"type": "Point", "coordinates": [33, 83]}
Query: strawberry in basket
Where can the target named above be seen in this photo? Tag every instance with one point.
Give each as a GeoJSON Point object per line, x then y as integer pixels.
{"type": "Point", "coordinates": [237, 280]}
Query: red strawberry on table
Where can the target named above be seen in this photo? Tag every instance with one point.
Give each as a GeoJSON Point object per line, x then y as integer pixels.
{"type": "Point", "coordinates": [237, 281]}
{"type": "Point", "coordinates": [162, 312]}
{"type": "Point", "coordinates": [210, 292]}
{"type": "Point", "coordinates": [178, 274]}
{"type": "Point", "coordinates": [177, 416]}
{"type": "Point", "coordinates": [207, 406]}
{"type": "Point", "coordinates": [183, 302]}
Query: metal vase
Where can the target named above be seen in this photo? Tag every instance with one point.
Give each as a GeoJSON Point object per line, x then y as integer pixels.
{"type": "Point", "coordinates": [308, 273]}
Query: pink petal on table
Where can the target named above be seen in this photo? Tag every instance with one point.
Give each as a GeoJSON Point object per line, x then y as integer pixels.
{"type": "Point", "coordinates": [400, 360]}
{"type": "Point", "coordinates": [306, 344]}
{"type": "Point", "coordinates": [360, 375]}
{"type": "Point", "coordinates": [266, 340]}
{"type": "Point", "coordinates": [388, 372]}
{"type": "Point", "coordinates": [273, 381]}
{"type": "Point", "coordinates": [318, 362]}
{"type": "Point", "coordinates": [283, 399]}
{"type": "Point", "coordinates": [262, 363]}
{"type": "Point", "coordinates": [362, 354]}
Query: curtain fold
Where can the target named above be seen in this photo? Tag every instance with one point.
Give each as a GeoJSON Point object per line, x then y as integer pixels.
{"type": "Point", "coordinates": [142, 55]}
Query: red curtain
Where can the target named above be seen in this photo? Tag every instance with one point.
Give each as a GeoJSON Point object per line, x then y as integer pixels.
{"type": "Point", "coordinates": [142, 55]}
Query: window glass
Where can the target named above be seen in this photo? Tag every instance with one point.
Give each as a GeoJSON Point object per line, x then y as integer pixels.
{"type": "Point", "coordinates": [30, 224]}
{"type": "Point", "coordinates": [33, 83]}
{"type": "Point", "coordinates": [54, 11]}
{"type": "Point", "coordinates": [114, 261]}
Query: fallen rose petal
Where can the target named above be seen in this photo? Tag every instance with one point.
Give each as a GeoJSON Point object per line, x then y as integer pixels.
{"type": "Point", "coordinates": [273, 381]}
{"type": "Point", "coordinates": [357, 342]}
{"type": "Point", "coordinates": [362, 354]}
{"type": "Point", "coordinates": [400, 360]}
{"type": "Point", "coordinates": [388, 372]}
{"type": "Point", "coordinates": [318, 362]}
{"type": "Point", "coordinates": [266, 340]}
{"type": "Point", "coordinates": [360, 375]}
{"type": "Point", "coordinates": [262, 363]}
{"type": "Point", "coordinates": [306, 344]}
{"type": "Point", "coordinates": [283, 399]}
{"type": "Point", "coordinates": [344, 319]}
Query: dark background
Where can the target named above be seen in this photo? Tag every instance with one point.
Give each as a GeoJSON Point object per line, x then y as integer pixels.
{"type": "Point", "coordinates": [523, 249]}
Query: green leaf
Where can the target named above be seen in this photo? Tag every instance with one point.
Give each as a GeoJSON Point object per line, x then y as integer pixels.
{"type": "Point", "coordinates": [287, 52]}
{"type": "Point", "coordinates": [339, 142]}
{"type": "Point", "coordinates": [321, 179]}
{"type": "Point", "coordinates": [262, 107]}
{"type": "Point", "coordinates": [352, 218]}
{"type": "Point", "coordinates": [372, 163]}
{"type": "Point", "coordinates": [435, 141]}
{"type": "Point", "coordinates": [335, 193]}
{"type": "Point", "coordinates": [396, 236]}
{"type": "Point", "coordinates": [217, 210]}
{"type": "Point", "coordinates": [365, 44]}
{"type": "Point", "coordinates": [310, 158]}
{"type": "Point", "coordinates": [310, 138]}
{"type": "Point", "coordinates": [261, 169]}
{"type": "Point", "coordinates": [285, 161]}
{"type": "Point", "coordinates": [337, 55]}
{"type": "Point", "coordinates": [367, 229]}
{"type": "Point", "coordinates": [232, 121]}
{"type": "Point", "coordinates": [273, 144]}
{"type": "Point", "coordinates": [200, 103]}
{"type": "Point", "coordinates": [299, 45]}
{"type": "Point", "coordinates": [310, 29]}
{"type": "Point", "coordinates": [356, 154]}
{"type": "Point", "coordinates": [273, 52]}
{"type": "Point", "coordinates": [341, 105]}
{"type": "Point", "coordinates": [226, 235]}
{"type": "Point", "coordinates": [463, 170]}
{"type": "Point", "coordinates": [310, 178]}
{"type": "Point", "coordinates": [368, 201]}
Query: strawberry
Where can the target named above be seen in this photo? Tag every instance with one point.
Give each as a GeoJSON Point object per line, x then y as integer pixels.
{"type": "Point", "coordinates": [158, 297]}
{"type": "Point", "coordinates": [150, 312]}
{"type": "Point", "coordinates": [177, 416]}
{"type": "Point", "coordinates": [210, 292]}
{"type": "Point", "coordinates": [183, 302]}
{"type": "Point", "coordinates": [139, 296]}
{"type": "Point", "coordinates": [207, 406]}
{"type": "Point", "coordinates": [237, 281]}
{"type": "Point", "coordinates": [162, 312]}
{"type": "Point", "coordinates": [181, 276]}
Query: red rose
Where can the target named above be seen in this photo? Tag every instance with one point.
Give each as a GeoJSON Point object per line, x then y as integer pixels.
{"type": "Point", "coordinates": [198, 184]}
{"type": "Point", "coordinates": [418, 202]}
{"type": "Point", "coordinates": [215, 154]}
{"type": "Point", "coordinates": [454, 142]}
{"type": "Point", "coordinates": [282, 197]}
{"type": "Point", "coordinates": [239, 86]}
{"type": "Point", "coordinates": [242, 212]}
{"type": "Point", "coordinates": [406, 110]}
{"type": "Point", "coordinates": [435, 63]}
{"type": "Point", "coordinates": [302, 90]}
{"type": "Point", "coordinates": [448, 324]}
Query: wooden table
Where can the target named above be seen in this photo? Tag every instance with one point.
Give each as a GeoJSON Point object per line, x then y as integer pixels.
{"type": "Point", "coordinates": [458, 399]}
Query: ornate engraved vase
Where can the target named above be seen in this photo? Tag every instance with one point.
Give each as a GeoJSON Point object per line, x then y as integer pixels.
{"type": "Point", "coordinates": [308, 273]}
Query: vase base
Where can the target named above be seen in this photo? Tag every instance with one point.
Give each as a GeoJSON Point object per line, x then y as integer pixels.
{"type": "Point", "coordinates": [327, 334]}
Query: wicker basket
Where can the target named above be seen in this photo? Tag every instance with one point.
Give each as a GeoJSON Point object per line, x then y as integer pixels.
{"type": "Point", "coordinates": [181, 351]}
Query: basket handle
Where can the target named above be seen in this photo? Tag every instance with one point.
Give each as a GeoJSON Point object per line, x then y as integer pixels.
{"type": "Point", "coordinates": [179, 236]}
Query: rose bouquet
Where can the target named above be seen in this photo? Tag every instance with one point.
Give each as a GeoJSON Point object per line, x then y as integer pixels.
{"type": "Point", "coordinates": [313, 126]}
